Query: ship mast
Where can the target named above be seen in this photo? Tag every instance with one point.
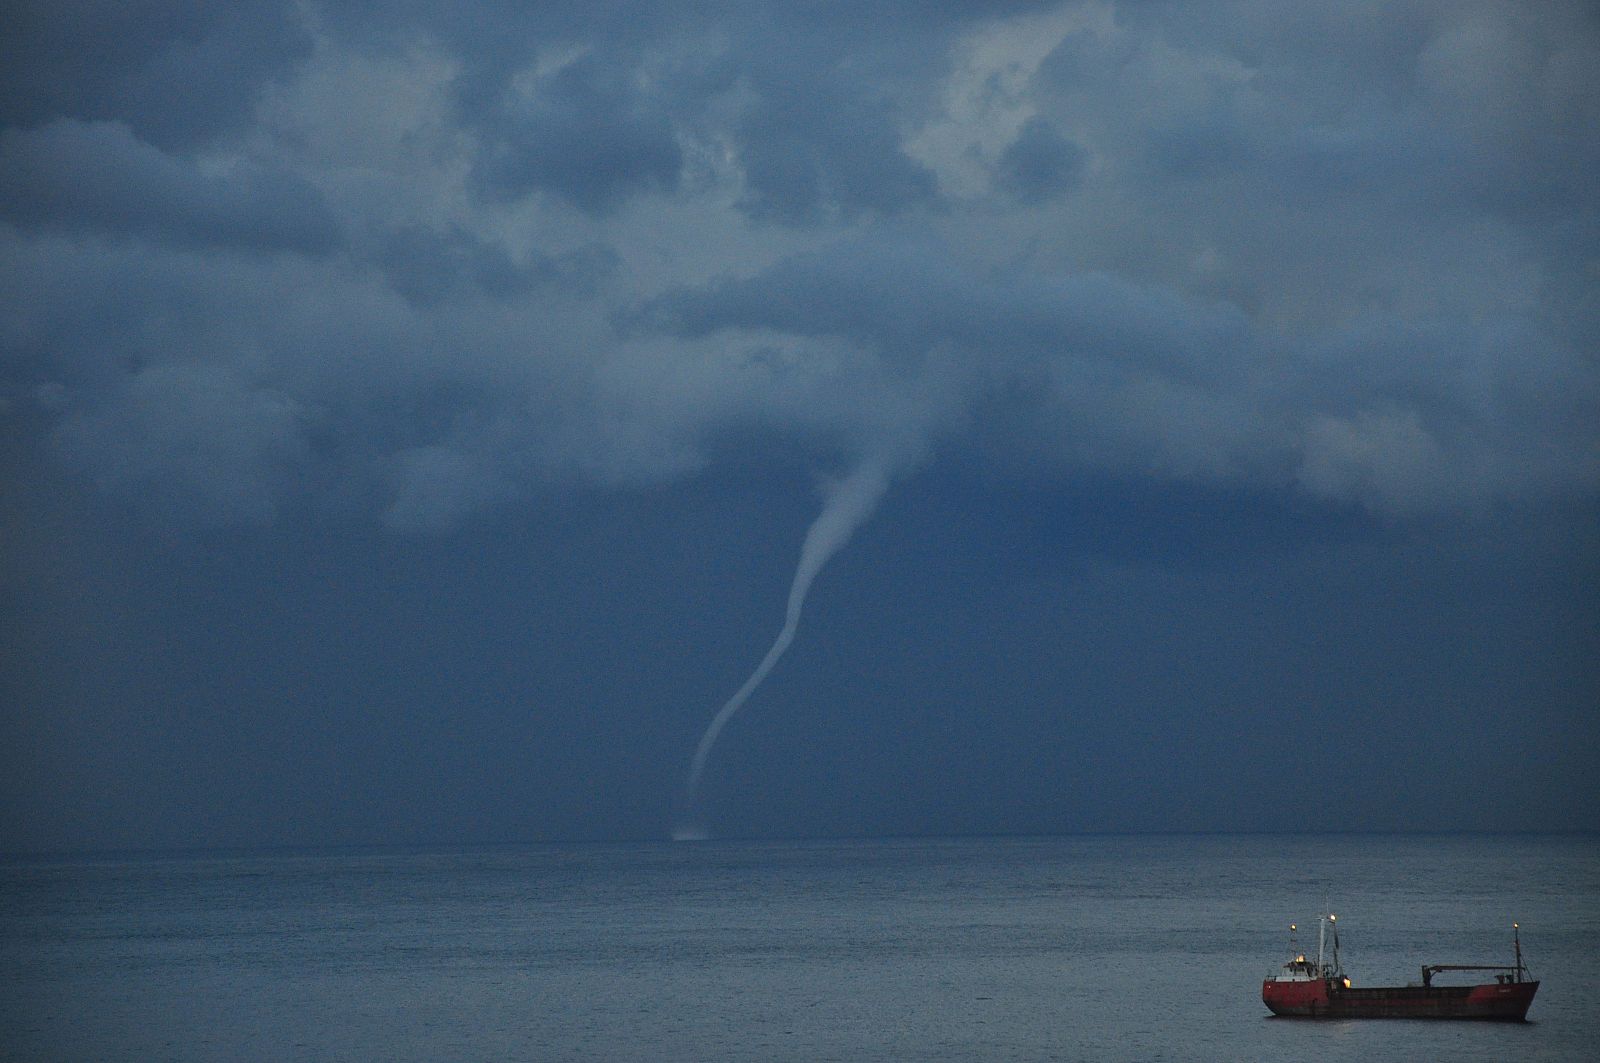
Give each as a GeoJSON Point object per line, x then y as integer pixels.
{"type": "Point", "coordinates": [1335, 970]}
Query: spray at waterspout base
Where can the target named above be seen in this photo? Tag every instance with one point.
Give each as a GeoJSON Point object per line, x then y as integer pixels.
{"type": "Point", "coordinates": [690, 832]}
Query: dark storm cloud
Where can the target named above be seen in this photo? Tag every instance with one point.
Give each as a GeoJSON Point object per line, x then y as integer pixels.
{"type": "Point", "coordinates": [178, 72]}
{"type": "Point", "coordinates": [1203, 279]}
{"type": "Point", "coordinates": [812, 143]}
{"type": "Point", "coordinates": [812, 103]}
{"type": "Point", "coordinates": [1040, 163]}
{"type": "Point", "coordinates": [426, 266]}
{"type": "Point", "coordinates": [584, 132]}
{"type": "Point", "coordinates": [1440, 108]}
{"type": "Point", "coordinates": [906, 298]}
{"type": "Point", "coordinates": [1398, 417]}
{"type": "Point", "coordinates": [830, 100]}
{"type": "Point", "coordinates": [98, 178]}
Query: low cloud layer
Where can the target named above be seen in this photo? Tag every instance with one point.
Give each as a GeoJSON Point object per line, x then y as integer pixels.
{"type": "Point", "coordinates": [97, 179]}
{"type": "Point", "coordinates": [290, 255]}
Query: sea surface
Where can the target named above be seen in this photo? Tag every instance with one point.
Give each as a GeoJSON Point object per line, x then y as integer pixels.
{"type": "Point", "coordinates": [1076, 948]}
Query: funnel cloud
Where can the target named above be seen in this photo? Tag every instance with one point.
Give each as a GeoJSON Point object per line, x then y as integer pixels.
{"type": "Point", "coordinates": [849, 502]}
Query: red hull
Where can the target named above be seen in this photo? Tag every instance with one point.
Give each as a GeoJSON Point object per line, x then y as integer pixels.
{"type": "Point", "coordinates": [1324, 998]}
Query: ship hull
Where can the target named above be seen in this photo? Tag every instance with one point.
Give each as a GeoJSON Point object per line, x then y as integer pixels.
{"type": "Point", "coordinates": [1325, 999]}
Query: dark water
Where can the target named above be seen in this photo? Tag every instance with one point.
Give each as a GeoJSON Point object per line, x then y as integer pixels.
{"type": "Point", "coordinates": [1100, 948]}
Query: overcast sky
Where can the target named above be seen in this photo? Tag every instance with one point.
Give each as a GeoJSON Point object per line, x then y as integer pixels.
{"type": "Point", "coordinates": [412, 415]}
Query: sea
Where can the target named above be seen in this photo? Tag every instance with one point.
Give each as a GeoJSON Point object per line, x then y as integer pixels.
{"type": "Point", "coordinates": [1147, 947]}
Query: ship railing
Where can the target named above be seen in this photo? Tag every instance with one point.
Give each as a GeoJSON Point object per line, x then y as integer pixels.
{"type": "Point", "coordinates": [1432, 969]}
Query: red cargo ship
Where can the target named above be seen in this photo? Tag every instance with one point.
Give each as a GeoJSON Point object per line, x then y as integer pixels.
{"type": "Point", "coordinates": [1321, 990]}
